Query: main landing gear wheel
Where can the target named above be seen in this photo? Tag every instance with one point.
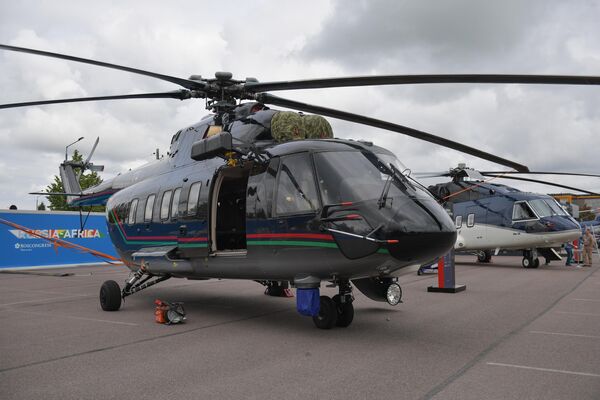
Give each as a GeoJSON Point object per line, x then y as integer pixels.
{"type": "Point", "coordinates": [484, 256]}
{"type": "Point", "coordinates": [530, 262]}
{"type": "Point", "coordinates": [327, 314]}
{"type": "Point", "coordinates": [110, 296]}
{"type": "Point", "coordinates": [345, 312]}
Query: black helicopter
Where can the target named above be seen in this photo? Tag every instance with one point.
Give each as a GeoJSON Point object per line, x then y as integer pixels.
{"type": "Point", "coordinates": [231, 201]}
{"type": "Point", "coordinates": [490, 215]}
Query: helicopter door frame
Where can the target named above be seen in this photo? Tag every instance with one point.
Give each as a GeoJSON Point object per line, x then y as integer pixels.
{"type": "Point", "coordinates": [214, 202]}
{"type": "Point", "coordinates": [239, 173]}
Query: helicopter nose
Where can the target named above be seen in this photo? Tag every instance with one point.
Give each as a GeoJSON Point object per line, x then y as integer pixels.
{"type": "Point", "coordinates": [421, 230]}
{"type": "Point", "coordinates": [560, 223]}
{"type": "Point", "coordinates": [420, 247]}
{"type": "Point", "coordinates": [561, 228]}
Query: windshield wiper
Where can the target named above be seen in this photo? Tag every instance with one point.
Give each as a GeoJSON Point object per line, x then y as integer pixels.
{"type": "Point", "coordinates": [386, 188]}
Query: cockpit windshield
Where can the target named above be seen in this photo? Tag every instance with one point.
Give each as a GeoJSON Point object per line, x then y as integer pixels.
{"type": "Point", "coordinates": [356, 176]}
{"type": "Point", "coordinates": [391, 159]}
{"type": "Point", "coordinates": [546, 207]}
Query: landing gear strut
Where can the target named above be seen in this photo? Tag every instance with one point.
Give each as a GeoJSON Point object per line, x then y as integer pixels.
{"type": "Point", "coordinates": [530, 259]}
{"type": "Point", "coordinates": [111, 294]}
{"type": "Point", "coordinates": [338, 311]}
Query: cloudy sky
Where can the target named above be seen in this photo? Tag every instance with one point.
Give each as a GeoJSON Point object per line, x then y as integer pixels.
{"type": "Point", "coordinates": [547, 128]}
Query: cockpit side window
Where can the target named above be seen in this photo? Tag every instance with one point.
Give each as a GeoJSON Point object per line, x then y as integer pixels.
{"type": "Point", "coordinates": [522, 212]}
{"type": "Point", "coordinates": [296, 188]}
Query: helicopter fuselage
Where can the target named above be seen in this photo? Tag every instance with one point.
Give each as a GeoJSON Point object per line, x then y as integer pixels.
{"type": "Point", "coordinates": [492, 216]}
{"type": "Point", "coordinates": [320, 208]}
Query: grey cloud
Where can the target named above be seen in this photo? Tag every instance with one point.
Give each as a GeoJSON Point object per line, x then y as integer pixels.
{"type": "Point", "coordinates": [420, 34]}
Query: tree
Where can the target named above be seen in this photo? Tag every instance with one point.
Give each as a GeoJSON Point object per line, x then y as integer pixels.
{"type": "Point", "coordinates": [86, 180]}
{"type": "Point", "coordinates": [586, 213]}
{"type": "Point", "coordinates": [41, 206]}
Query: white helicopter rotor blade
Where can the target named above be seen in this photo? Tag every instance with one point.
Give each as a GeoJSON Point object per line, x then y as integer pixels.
{"type": "Point", "coordinates": [92, 152]}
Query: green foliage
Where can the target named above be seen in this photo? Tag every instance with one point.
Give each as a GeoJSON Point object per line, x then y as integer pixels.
{"type": "Point", "coordinates": [86, 180]}
{"type": "Point", "coordinates": [585, 213]}
{"type": "Point", "coordinates": [41, 206]}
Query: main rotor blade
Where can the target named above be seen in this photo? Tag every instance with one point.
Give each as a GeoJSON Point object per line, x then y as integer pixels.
{"type": "Point", "coordinates": [539, 173]}
{"type": "Point", "coordinates": [270, 99]}
{"type": "Point", "coordinates": [177, 94]}
{"type": "Point", "coordinates": [429, 174]}
{"type": "Point", "coordinates": [543, 182]}
{"type": "Point", "coordinates": [421, 79]}
{"type": "Point", "coordinates": [188, 84]}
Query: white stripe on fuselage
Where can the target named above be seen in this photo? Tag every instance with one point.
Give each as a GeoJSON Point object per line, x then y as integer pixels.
{"type": "Point", "coordinates": [482, 237]}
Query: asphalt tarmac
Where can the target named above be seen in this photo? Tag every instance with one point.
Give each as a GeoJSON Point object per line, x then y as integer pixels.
{"type": "Point", "coordinates": [515, 333]}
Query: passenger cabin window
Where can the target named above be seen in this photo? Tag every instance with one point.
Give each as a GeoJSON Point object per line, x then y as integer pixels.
{"type": "Point", "coordinates": [458, 221]}
{"type": "Point", "coordinates": [522, 212]}
{"type": "Point", "coordinates": [175, 203]}
{"type": "Point", "coordinates": [470, 220]}
{"type": "Point", "coordinates": [165, 205]}
{"type": "Point", "coordinates": [192, 205]}
{"type": "Point", "coordinates": [132, 211]}
{"type": "Point", "coordinates": [296, 187]}
{"type": "Point", "coordinates": [149, 208]}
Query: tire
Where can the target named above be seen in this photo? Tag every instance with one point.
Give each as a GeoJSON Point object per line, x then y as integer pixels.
{"type": "Point", "coordinates": [484, 257]}
{"type": "Point", "coordinates": [536, 263]}
{"type": "Point", "coordinates": [526, 262]}
{"type": "Point", "coordinates": [345, 312]}
{"type": "Point", "coordinates": [110, 296]}
{"type": "Point", "coordinates": [327, 314]}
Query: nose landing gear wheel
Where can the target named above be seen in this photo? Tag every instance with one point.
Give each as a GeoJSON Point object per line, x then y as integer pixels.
{"type": "Point", "coordinates": [327, 314]}
{"type": "Point", "coordinates": [110, 296]}
{"type": "Point", "coordinates": [345, 312]}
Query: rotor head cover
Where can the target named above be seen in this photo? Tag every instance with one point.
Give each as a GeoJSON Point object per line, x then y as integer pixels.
{"type": "Point", "coordinates": [289, 125]}
{"type": "Point", "coordinates": [317, 127]}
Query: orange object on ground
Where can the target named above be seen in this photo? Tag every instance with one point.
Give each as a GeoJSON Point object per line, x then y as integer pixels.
{"type": "Point", "coordinates": [160, 312]}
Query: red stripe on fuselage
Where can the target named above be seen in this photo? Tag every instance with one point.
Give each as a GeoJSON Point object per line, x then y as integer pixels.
{"type": "Point", "coordinates": [317, 236]}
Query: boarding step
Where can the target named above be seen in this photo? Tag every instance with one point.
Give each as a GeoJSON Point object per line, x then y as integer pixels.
{"type": "Point", "coordinates": [153, 252]}
{"type": "Point", "coordinates": [230, 253]}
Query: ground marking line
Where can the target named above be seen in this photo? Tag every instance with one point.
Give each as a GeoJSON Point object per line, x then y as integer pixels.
{"type": "Point", "coordinates": [565, 334]}
{"type": "Point", "coordinates": [47, 299]}
{"type": "Point", "coordinates": [463, 370]}
{"type": "Point", "coordinates": [578, 313]}
{"type": "Point", "coordinates": [586, 300]}
{"type": "Point", "coordinates": [561, 371]}
{"type": "Point", "coordinates": [73, 317]}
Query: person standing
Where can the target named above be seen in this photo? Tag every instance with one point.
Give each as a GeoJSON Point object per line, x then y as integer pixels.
{"type": "Point", "coordinates": [588, 247]}
{"type": "Point", "coordinates": [569, 250]}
